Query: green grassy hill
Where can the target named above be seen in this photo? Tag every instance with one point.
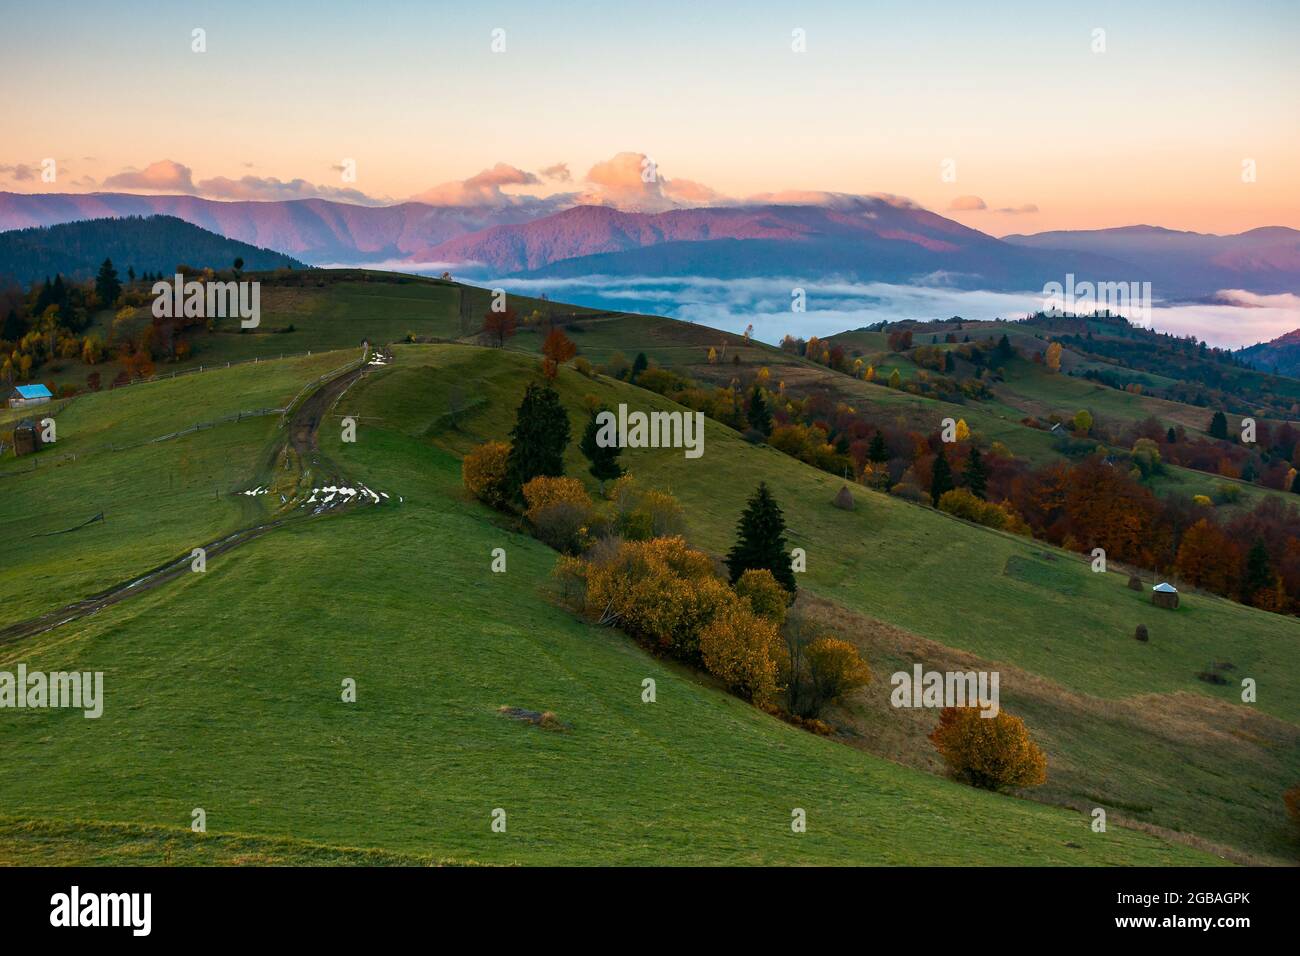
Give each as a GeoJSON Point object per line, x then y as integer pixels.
{"type": "Point", "coordinates": [223, 688]}
{"type": "Point", "coordinates": [223, 692]}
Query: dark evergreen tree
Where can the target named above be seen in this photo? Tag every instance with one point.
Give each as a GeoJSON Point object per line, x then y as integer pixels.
{"type": "Point", "coordinates": [760, 540]}
{"type": "Point", "coordinates": [1259, 571]}
{"type": "Point", "coordinates": [1171, 436]}
{"type": "Point", "coordinates": [1295, 484]}
{"type": "Point", "coordinates": [639, 365]}
{"type": "Point", "coordinates": [1004, 351]}
{"type": "Point", "coordinates": [976, 474]}
{"type": "Point", "coordinates": [107, 286]}
{"type": "Point", "coordinates": [1219, 426]}
{"type": "Point", "coordinates": [948, 363]}
{"type": "Point", "coordinates": [940, 478]}
{"type": "Point", "coordinates": [759, 415]}
{"type": "Point", "coordinates": [604, 460]}
{"type": "Point", "coordinates": [877, 450]}
{"type": "Point", "coordinates": [538, 440]}
{"type": "Point", "coordinates": [14, 327]}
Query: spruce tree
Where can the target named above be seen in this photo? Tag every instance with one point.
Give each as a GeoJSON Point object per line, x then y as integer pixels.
{"type": "Point", "coordinates": [941, 478]}
{"type": "Point", "coordinates": [760, 540]}
{"type": "Point", "coordinates": [1259, 571]}
{"type": "Point", "coordinates": [1171, 436]}
{"type": "Point", "coordinates": [604, 460]}
{"type": "Point", "coordinates": [538, 440]}
{"type": "Point", "coordinates": [639, 365]}
{"type": "Point", "coordinates": [877, 451]}
{"type": "Point", "coordinates": [1219, 426]}
{"type": "Point", "coordinates": [1005, 351]}
{"type": "Point", "coordinates": [14, 327]}
{"type": "Point", "coordinates": [107, 286]}
{"type": "Point", "coordinates": [976, 474]}
{"type": "Point", "coordinates": [1295, 484]}
{"type": "Point", "coordinates": [760, 416]}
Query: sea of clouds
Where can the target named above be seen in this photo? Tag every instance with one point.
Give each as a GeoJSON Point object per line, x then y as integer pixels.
{"type": "Point", "coordinates": [1233, 320]}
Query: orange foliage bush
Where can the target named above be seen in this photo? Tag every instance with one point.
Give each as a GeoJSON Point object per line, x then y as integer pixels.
{"type": "Point", "coordinates": [559, 511]}
{"type": "Point", "coordinates": [766, 598]}
{"type": "Point", "coordinates": [484, 473]}
{"type": "Point", "coordinates": [989, 752]}
{"type": "Point", "coordinates": [659, 591]}
{"type": "Point", "coordinates": [1292, 800]}
{"type": "Point", "coordinates": [834, 668]}
{"type": "Point", "coordinates": [743, 651]}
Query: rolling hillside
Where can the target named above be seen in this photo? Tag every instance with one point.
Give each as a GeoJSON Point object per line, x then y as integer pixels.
{"type": "Point", "coordinates": [228, 682]}
{"type": "Point", "coordinates": [153, 244]}
{"type": "Point", "coordinates": [223, 694]}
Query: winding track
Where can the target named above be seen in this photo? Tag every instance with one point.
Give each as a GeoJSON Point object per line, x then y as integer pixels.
{"type": "Point", "coordinates": [303, 429]}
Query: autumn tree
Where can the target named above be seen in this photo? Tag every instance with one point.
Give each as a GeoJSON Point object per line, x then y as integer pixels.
{"type": "Point", "coordinates": [833, 670]}
{"type": "Point", "coordinates": [767, 598]}
{"type": "Point", "coordinates": [1054, 356]}
{"type": "Point", "coordinates": [742, 650]}
{"type": "Point", "coordinates": [760, 540]}
{"type": "Point", "coordinates": [1207, 557]}
{"type": "Point", "coordinates": [994, 753]}
{"type": "Point", "coordinates": [556, 350]}
{"type": "Point", "coordinates": [484, 472]}
{"type": "Point", "coordinates": [499, 326]}
{"type": "Point", "coordinates": [603, 459]}
{"type": "Point", "coordinates": [538, 439]}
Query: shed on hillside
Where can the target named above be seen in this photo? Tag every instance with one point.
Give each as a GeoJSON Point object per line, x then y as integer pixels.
{"type": "Point", "coordinates": [1164, 594]}
{"type": "Point", "coordinates": [27, 438]}
{"type": "Point", "coordinates": [24, 395]}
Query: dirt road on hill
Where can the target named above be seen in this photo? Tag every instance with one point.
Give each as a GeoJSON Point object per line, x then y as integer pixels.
{"type": "Point", "coordinates": [303, 430]}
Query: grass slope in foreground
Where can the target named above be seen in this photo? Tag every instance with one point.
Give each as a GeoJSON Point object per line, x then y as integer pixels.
{"type": "Point", "coordinates": [223, 692]}
{"type": "Point", "coordinates": [1126, 725]}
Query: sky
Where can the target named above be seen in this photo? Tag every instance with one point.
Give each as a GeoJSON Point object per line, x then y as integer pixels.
{"type": "Point", "coordinates": [1022, 118]}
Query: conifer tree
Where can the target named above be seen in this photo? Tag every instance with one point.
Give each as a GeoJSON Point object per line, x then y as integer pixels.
{"type": "Point", "coordinates": [538, 440]}
{"type": "Point", "coordinates": [107, 286]}
{"type": "Point", "coordinates": [976, 474]}
{"type": "Point", "coordinates": [1219, 426]}
{"type": "Point", "coordinates": [878, 452]}
{"type": "Point", "coordinates": [941, 478]}
{"type": "Point", "coordinates": [639, 365]}
{"type": "Point", "coordinates": [760, 416]}
{"type": "Point", "coordinates": [1259, 571]}
{"type": "Point", "coordinates": [760, 540]}
{"type": "Point", "coordinates": [604, 459]}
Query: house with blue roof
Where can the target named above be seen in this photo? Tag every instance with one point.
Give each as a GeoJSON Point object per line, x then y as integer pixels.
{"type": "Point", "coordinates": [25, 395]}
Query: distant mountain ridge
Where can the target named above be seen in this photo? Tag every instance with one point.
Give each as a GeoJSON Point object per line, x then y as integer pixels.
{"type": "Point", "coordinates": [1265, 260]}
{"type": "Point", "coordinates": [861, 238]}
{"type": "Point", "coordinates": [75, 250]}
{"type": "Point", "coordinates": [316, 230]}
{"type": "Point", "coordinates": [1280, 356]}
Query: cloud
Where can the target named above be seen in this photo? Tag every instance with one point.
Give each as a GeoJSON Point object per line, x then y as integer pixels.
{"type": "Point", "coordinates": [836, 305]}
{"type": "Point", "coordinates": [1024, 210]}
{"type": "Point", "coordinates": [19, 172]}
{"type": "Point", "coordinates": [688, 192]}
{"type": "Point", "coordinates": [163, 176]}
{"type": "Point", "coordinates": [559, 173]}
{"type": "Point", "coordinates": [634, 182]}
{"type": "Point", "coordinates": [1255, 300]}
{"type": "Point", "coordinates": [483, 189]}
{"type": "Point", "coordinates": [967, 204]}
{"type": "Point", "coordinates": [266, 188]}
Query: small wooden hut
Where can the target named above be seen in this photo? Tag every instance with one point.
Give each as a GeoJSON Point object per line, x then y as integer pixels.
{"type": "Point", "coordinates": [1164, 594]}
{"type": "Point", "coordinates": [27, 438]}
